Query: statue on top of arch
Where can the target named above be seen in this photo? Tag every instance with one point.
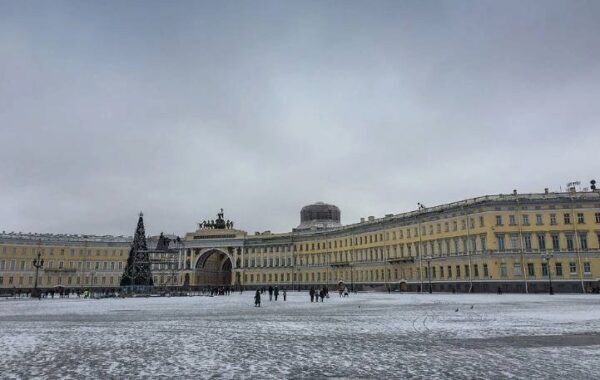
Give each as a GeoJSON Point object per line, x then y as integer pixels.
{"type": "Point", "coordinates": [219, 223]}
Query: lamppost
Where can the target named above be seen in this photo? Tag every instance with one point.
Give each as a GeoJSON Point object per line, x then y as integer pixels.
{"type": "Point", "coordinates": [37, 264]}
{"type": "Point", "coordinates": [428, 258]}
{"type": "Point", "coordinates": [547, 256]}
{"type": "Point", "coordinates": [93, 272]}
{"type": "Point", "coordinates": [352, 277]}
{"type": "Point", "coordinates": [421, 207]}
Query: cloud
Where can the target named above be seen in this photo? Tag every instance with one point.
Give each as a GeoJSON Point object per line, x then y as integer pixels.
{"type": "Point", "coordinates": [179, 109]}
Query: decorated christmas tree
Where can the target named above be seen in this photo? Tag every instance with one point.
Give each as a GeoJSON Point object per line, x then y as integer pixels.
{"type": "Point", "coordinates": [137, 270]}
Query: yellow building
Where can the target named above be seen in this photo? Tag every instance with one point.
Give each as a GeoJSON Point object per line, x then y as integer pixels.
{"type": "Point", "coordinates": [518, 242]}
{"type": "Point", "coordinates": [70, 261]}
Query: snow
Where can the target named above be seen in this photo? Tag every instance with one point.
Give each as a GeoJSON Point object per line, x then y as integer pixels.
{"type": "Point", "coordinates": [369, 335]}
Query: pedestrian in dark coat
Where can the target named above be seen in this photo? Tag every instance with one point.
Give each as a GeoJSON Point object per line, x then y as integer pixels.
{"type": "Point", "coordinates": [312, 294]}
{"type": "Point", "coordinates": [257, 299]}
{"type": "Point", "coordinates": [276, 293]}
{"type": "Point", "coordinates": [322, 294]}
{"type": "Point", "coordinates": [284, 294]}
{"type": "Point", "coordinates": [270, 293]}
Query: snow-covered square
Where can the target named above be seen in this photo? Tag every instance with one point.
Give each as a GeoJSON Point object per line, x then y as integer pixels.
{"type": "Point", "coordinates": [368, 335]}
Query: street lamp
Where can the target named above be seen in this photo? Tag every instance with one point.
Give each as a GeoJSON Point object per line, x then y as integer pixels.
{"type": "Point", "coordinates": [428, 258]}
{"type": "Point", "coordinates": [547, 256]}
{"type": "Point", "coordinates": [352, 277]}
{"type": "Point", "coordinates": [37, 264]}
{"type": "Point", "coordinates": [420, 209]}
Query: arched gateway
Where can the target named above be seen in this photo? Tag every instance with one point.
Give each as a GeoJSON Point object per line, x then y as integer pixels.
{"type": "Point", "coordinates": [212, 254]}
{"type": "Point", "coordinates": [213, 268]}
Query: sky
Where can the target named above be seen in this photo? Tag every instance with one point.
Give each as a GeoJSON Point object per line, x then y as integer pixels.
{"type": "Point", "coordinates": [178, 109]}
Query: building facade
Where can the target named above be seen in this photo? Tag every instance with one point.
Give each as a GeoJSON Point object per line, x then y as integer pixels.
{"type": "Point", "coordinates": [515, 242]}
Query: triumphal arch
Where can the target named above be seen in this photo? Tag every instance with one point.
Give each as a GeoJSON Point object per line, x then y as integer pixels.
{"type": "Point", "coordinates": [211, 255]}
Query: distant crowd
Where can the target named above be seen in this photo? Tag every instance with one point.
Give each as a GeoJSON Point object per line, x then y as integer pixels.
{"type": "Point", "coordinates": [315, 294]}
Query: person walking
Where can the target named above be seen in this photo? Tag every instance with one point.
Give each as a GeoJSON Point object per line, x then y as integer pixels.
{"type": "Point", "coordinates": [257, 299]}
{"type": "Point", "coordinates": [276, 292]}
{"type": "Point", "coordinates": [270, 293]}
{"type": "Point", "coordinates": [322, 294]}
{"type": "Point", "coordinates": [312, 294]}
{"type": "Point", "coordinates": [284, 294]}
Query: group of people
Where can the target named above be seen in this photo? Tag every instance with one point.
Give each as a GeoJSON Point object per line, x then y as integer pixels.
{"type": "Point", "coordinates": [315, 294]}
{"type": "Point", "coordinates": [220, 291]}
{"type": "Point", "coordinates": [273, 292]}
{"type": "Point", "coordinates": [344, 291]}
{"type": "Point", "coordinates": [51, 293]}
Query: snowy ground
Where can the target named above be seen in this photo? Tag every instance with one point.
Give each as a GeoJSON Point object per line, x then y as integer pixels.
{"type": "Point", "coordinates": [365, 336]}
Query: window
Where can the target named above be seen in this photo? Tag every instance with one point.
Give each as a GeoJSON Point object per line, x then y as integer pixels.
{"type": "Point", "coordinates": [525, 219]}
{"type": "Point", "coordinates": [441, 272]}
{"type": "Point", "coordinates": [586, 268]}
{"type": "Point", "coordinates": [449, 271]}
{"type": "Point", "coordinates": [538, 219]}
{"type": "Point", "coordinates": [530, 270]}
{"type": "Point", "coordinates": [580, 218]}
{"type": "Point", "coordinates": [498, 220]}
{"type": "Point", "coordinates": [503, 272]}
{"type": "Point", "coordinates": [500, 239]}
{"type": "Point", "coordinates": [527, 240]}
{"type": "Point", "coordinates": [544, 269]}
{"type": "Point", "coordinates": [558, 267]}
{"type": "Point", "coordinates": [458, 271]}
{"type": "Point", "coordinates": [467, 271]}
{"type": "Point", "coordinates": [476, 270]}
{"type": "Point", "coordinates": [517, 269]}
{"type": "Point", "coordinates": [583, 241]}
{"type": "Point", "coordinates": [514, 242]}
{"type": "Point", "coordinates": [570, 245]}
{"type": "Point", "coordinates": [555, 242]}
{"type": "Point", "coordinates": [512, 220]}
{"type": "Point", "coordinates": [567, 218]}
{"type": "Point", "coordinates": [597, 215]}
{"type": "Point", "coordinates": [541, 242]}
{"type": "Point", "coordinates": [485, 270]}
{"type": "Point", "coordinates": [573, 267]}
{"type": "Point", "coordinates": [483, 243]}
{"type": "Point", "coordinates": [481, 224]}
{"type": "Point", "coordinates": [553, 219]}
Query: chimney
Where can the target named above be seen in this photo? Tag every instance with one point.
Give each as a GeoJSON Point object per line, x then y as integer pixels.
{"type": "Point", "coordinates": [546, 190]}
{"type": "Point", "coordinates": [515, 192]}
{"type": "Point", "coordinates": [362, 220]}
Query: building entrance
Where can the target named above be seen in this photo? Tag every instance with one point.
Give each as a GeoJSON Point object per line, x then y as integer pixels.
{"type": "Point", "coordinates": [213, 268]}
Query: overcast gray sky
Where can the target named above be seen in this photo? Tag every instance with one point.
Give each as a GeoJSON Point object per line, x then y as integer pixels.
{"type": "Point", "coordinates": [179, 108]}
